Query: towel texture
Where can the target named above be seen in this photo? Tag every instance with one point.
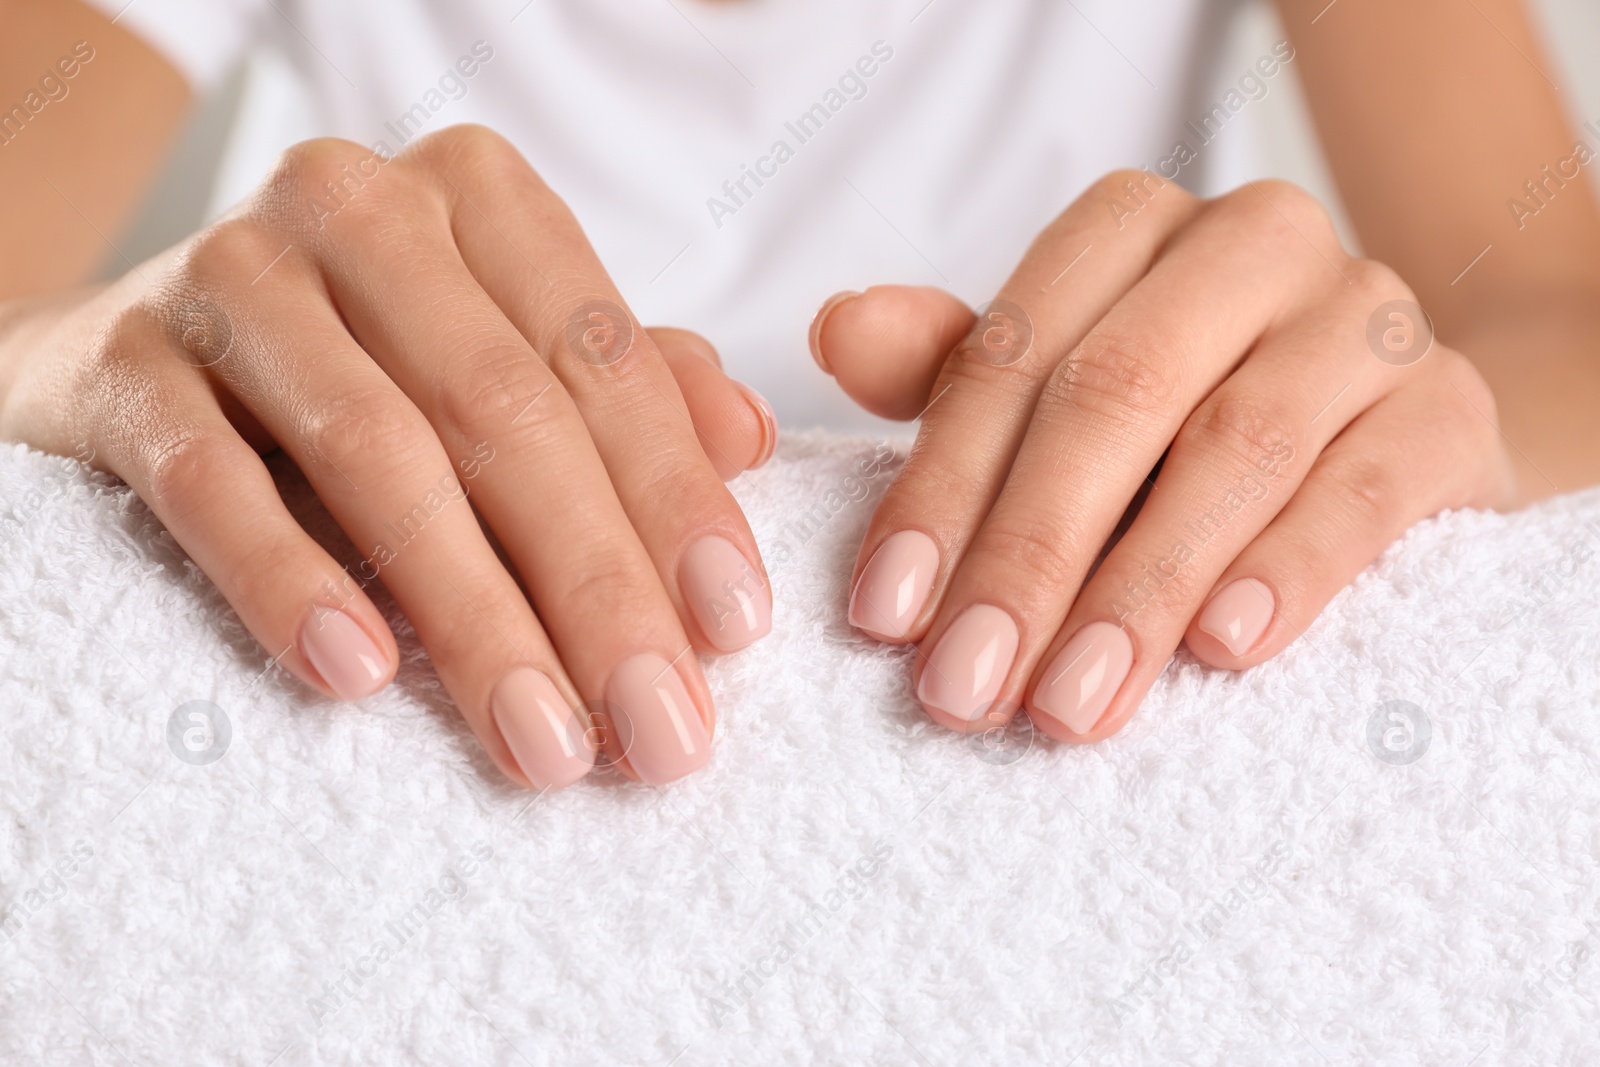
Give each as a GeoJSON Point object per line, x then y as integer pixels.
{"type": "Point", "coordinates": [1379, 847]}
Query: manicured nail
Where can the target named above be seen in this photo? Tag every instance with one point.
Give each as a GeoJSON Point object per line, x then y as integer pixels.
{"type": "Point", "coordinates": [970, 663]}
{"type": "Point", "coordinates": [769, 425]}
{"type": "Point", "coordinates": [543, 732]}
{"type": "Point", "coordinates": [728, 596]}
{"type": "Point", "coordinates": [894, 585]}
{"type": "Point", "coordinates": [1239, 615]}
{"type": "Point", "coordinates": [347, 659]}
{"type": "Point", "coordinates": [815, 334]}
{"type": "Point", "coordinates": [1084, 676]}
{"type": "Point", "coordinates": [658, 726]}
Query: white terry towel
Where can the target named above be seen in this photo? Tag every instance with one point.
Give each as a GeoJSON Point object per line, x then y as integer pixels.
{"type": "Point", "coordinates": [1236, 878]}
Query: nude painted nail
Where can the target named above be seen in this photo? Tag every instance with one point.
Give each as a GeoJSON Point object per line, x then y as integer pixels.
{"type": "Point", "coordinates": [970, 663]}
{"type": "Point", "coordinates": [1087, 672]}
{"type": "Point", "coordinates": [895, 585]}
{"type": "Point", "coordinates": [769, 425]}
{"type": "Point", "coordinates": [814, 335]}
{"type": "Point", "coordinates": [729, 597]}
{"type": "Point", "coordinates": [1239, 615]}
{"type": "Point", "coordinates": [658, 725]}
{"type": "Point", "coordinates": [544, 734]}
{"type": "Point", "coordinates": [347, 659]}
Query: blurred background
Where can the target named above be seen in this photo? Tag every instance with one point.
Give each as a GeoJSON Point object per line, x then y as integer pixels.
{"type": "Point", "coordinates": [1273, 138]}
{"type": "Point", "coordinates": [752, 288]}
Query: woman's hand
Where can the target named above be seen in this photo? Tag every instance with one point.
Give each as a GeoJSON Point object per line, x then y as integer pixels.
{"type": "Point", "coordinates": [411, 331]}
{"type": "Point", "coordinates": [1212, 400]}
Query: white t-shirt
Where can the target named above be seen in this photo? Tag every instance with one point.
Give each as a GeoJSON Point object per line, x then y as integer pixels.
{"type": "Point", "coordinates": [735, 162]}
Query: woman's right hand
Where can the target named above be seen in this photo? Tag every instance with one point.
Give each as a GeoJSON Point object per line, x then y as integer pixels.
{"type": "Point", "coordinates": [409, 331]}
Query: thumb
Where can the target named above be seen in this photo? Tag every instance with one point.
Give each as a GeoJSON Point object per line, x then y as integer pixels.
{"type": "Point", "coordinates": [885, 346]}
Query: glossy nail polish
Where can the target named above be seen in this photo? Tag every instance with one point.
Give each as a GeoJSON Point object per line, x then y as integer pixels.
{"type": "Point", "coordinates": [769, 425]}
{"type": "Point", "coordinates": [347, 659]}
{"type": "Point", "coordinates": [545, 735]}
{"type": "Point", "coordinates": [658, 726]}
{"type": "Point", "coordinates": [814, 335]}
{"type": "Point", "coordinates": [894, 585]}
{"type": "Point", "coordinates": [729, 598]}
{"type": "Point", "coordinates": [1087, 672]}
{"type": "Point", "coordinates": [970, 663]}
{"type": "Point", "coordinates": [1239, 614]}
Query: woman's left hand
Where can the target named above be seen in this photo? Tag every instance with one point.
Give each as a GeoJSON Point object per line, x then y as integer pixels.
{"type": "Point", "coordinates": [1255, 412]}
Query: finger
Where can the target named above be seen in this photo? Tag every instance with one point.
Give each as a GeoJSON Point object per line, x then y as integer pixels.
{"type": "Point", "coordinates": [885, 346]}
{"type": "Point", "coordinates": [587, 563]}
{"type": "Point", "coordinates": [211, 490]}
{"type": "Point", "coordinates": [376, 464]}
{"type": "Point", "coordinates": [640, 425]}
{"type": "Point", "coordinates": [1356, 501]}
{"type": "Point", "coordinates": [737, 427]}
{"type": "Point", "coordinates": [1109, 410]}
{"type": "Point", "coordinates": [1238, 458]}
{"type": "Point", "coordinates": [981, 404]}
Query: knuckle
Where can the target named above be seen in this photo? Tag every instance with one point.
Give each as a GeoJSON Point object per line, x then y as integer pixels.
{"type": "Point", "coordinates": [1242, 427]}
{"type": "Point", "coordinates": [687, 485]}
{"type": "Point", "coordinates": [1375, 283]}
{"type": "Point", "coordinates": [487, 397]}
{"type": "Point", "coordinates": [235, 248]}
{"type": "Point", "coordinates": [1116, 181]}
{"type": "Point", "coordinates": [325, 183]}
{"type": "Point", "coordinates": [365, 425]}
{"type": "Point", "coordinates": [1137, 187]}
{"type": "Point", "coordinates": [181, 474]}
{"type": "Point", "coordinates": [117, 356]}
{"type": "Point", "coordinates": [1267, 205]}
{"type": "Point", "coordinates": [479, 149]}
{"type": "Point", "coordinates": [1365, 487]}
{"type": "Point", "coordinates": [1036, 548]}
{"type": "Point", "coordinates": [611, 578]}
{"type": "Point", "coordinates": [307, 165]}
{"type": "Point", "coordinates": [1117, 376]}
{"type": "Point", "coordinates": [925, 482]}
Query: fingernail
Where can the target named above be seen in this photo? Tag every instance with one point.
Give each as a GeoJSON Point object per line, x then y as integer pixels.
{"type": "Point", "coordinates": [347, 659]}
{"type": "Point", "coordinates": [543, 732]}
{"type": "Point", "coordinates": [894, 585]}
{"type": "Point", "coordinates": [970, 663]}
{"type": "Point", "coordinates": [728, 596]}
{"type": "Point", "coordinates": [769, 424]}
{"type": "Point", "coordinates": [1239, 615]}
{"type": "Point", "coordinates": [658, 725]}
{"type": "Point", "coordinates": [815, 334]}
{"type": "Point", "coordinates": [1084, 676]}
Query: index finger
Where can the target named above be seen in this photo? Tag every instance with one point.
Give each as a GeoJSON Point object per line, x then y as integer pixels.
{"type": "Point", "coordinates": [986, 392]}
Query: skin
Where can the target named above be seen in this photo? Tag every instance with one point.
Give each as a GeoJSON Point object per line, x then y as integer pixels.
{"type": "Point", "coordinates": [414, 346]}
{"type": "Point", "coordinates": [1234, 329]}
{"type": "Point", "coordinates": [1220, 329]}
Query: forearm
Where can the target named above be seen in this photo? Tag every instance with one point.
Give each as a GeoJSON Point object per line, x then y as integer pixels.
{"type": "Point", "coordinates": [87, 111]}
{"type": "Point", "coordinates": [1542, 359]}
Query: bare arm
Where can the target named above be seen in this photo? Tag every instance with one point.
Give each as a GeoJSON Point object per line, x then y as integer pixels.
{"type": "Point", "coordinates": [1435, 114]}
{"type": "Point", "coordinates": [78, 150]}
